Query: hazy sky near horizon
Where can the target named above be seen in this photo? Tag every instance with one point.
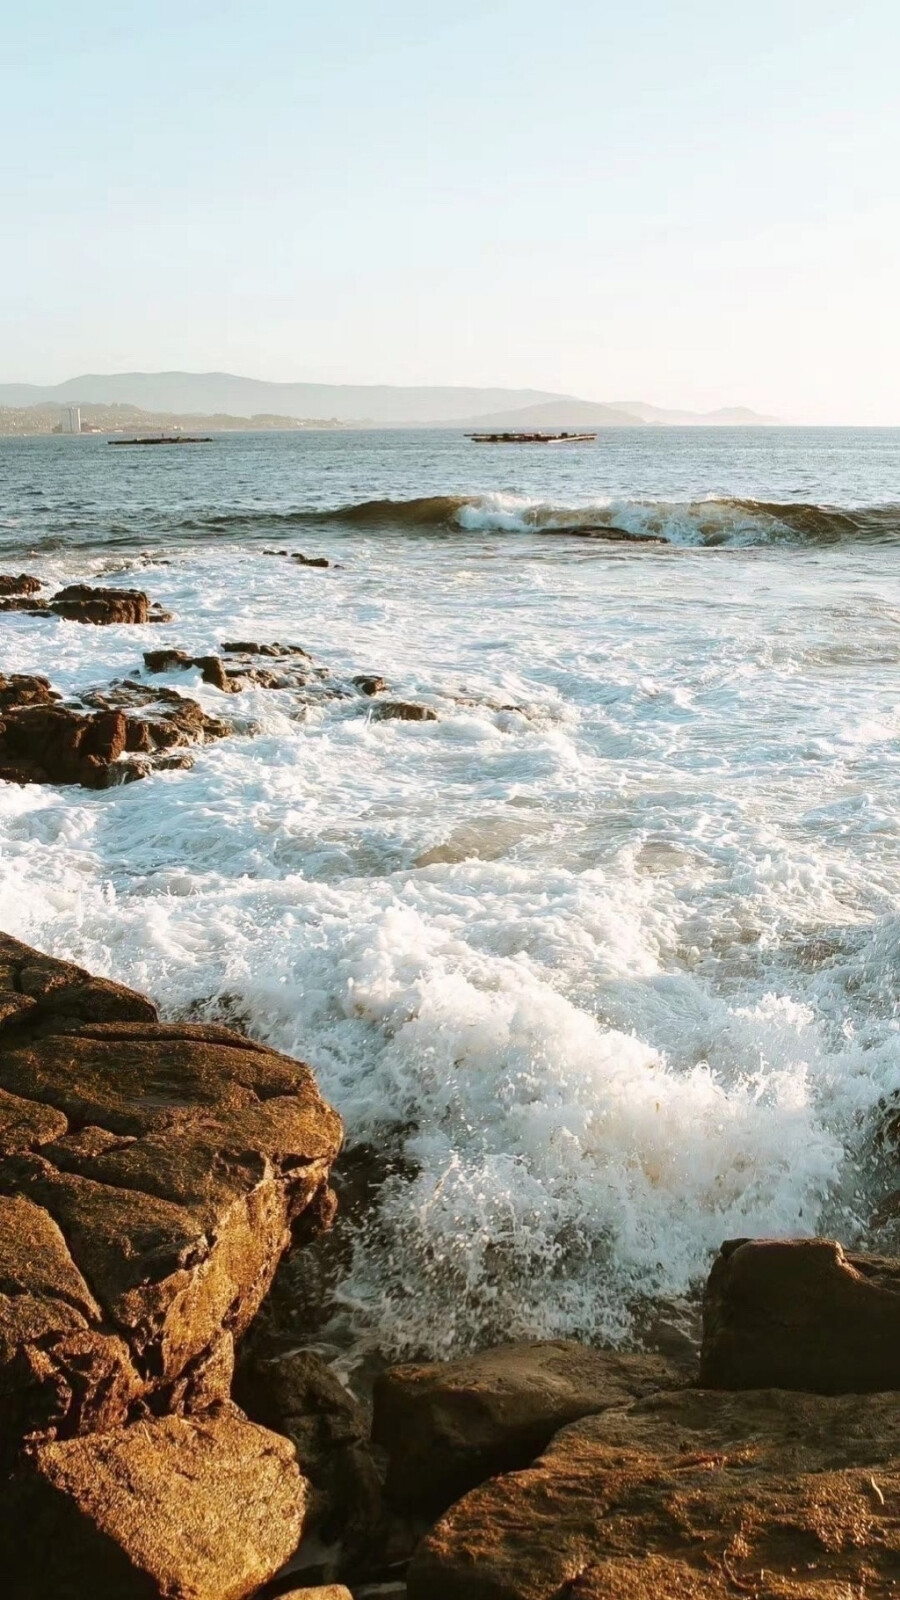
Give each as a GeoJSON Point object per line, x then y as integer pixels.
{"type": "Point", "coordinates": [688, 202]}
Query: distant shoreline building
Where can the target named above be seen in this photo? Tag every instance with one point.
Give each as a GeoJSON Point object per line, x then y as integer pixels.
{"type": "Point", "coordinates": [72, 420]}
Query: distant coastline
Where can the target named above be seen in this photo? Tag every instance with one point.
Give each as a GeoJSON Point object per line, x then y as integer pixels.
{"type": "Point", "coordinates": [223, 401]}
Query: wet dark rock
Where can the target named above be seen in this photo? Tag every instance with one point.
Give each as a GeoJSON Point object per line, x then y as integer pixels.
{"type": "Point", "coordinates": [693, 1495]}
{"type": "Point", "coordinates": [370, 683]}
{"type": "Point", "coordinates": [191, 1509]}
{"type": "Point", "coordinates": [244, 647]}
{"type": "Point", "coordinates": [449, 1425]}
{"type": "Point", "coordinates": [31, 605]}
{"type": "Point", "coordinates": [801, 1314]}
{"type": "Point", "coordinates": [607, 531]}
{"type": "Point", "coordinates": [237, 672]}
{"type": "Point", "coordinates": [296, 1393]}
{"type": "Point", "coordinates": [150, 1177]}
{"type": "Point", "coordinates": [403, 711]}
{"type": "Point", "coordinates": [167, 660]}
{"type": "Point", "coordinates": [23, 584]}
{"type": "Point", "coordinates": [310, 561]}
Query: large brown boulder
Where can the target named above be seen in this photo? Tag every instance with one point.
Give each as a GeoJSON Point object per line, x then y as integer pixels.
{"type": "Point", "coordinates": [81, 602]}
{"type": "Point", "coordinates": [151, 1175]}
{"type": "Point", "coordinates": [693, 1495]}
{"type": "Point", "coordinates": [801, 1314]}
{"type": "Point", "coordinates": [448, 1426]}
{"type": "Point", "coordinates": [57, 744]}
{"type": "Point", "coordinates": [201, 1509]}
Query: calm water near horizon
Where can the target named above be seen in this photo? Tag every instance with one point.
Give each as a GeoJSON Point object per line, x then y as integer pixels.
{"type": "Point", "coordinates": [609, 952]}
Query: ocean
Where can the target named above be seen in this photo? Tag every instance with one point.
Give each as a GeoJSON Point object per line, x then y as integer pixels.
{"type": "Point", "coordinates": [604, 963]}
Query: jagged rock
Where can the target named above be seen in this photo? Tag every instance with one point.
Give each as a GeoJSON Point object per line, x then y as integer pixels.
{"type": "Point", "coordinates": [801, 1314]}
{"type": "Point", "coordinates": [369, 683]}
{"type": "Point", "coordinates": [310, 561]}
{"type": "Point", "coordinates": [25, 689]}
{"type": "Point", "coordinates": [227, 676]}
{"type": "Point", "coordinates": [43, 741]}
{"type": "Point", "coordinates": [403, 711]}
{"type": "Point", "coordinates": [205, 1509]}
{"type": "Point", "coordinates": [154, 1173]}
{"type": "Point", "coordinates": [296, 1393]}
{"type": "Point", "coordinates": [693, 1495]}
{"type": "Point", "coordinates": [23, 584]}
{"type": "Point", "coordinates": [167, 660]}
{"type": "Point", "coordinates": [449, 1425]}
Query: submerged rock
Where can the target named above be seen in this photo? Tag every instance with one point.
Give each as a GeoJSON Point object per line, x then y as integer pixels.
{"type": "Point", "coordinates": [205, 1509]}
{"type": "Point", "coordinates": [244, 647]}
{"type": "Point", "coordinates": [696, 1495]}
{"type": "Point", "coordinates": [801, 1314]}
{"type": "Point", "coordinates": [296, 1392]}
{"type": "Point", "coordinates": [150, 1176]}
{"type": "Point", "coordinates": [403, 711]}
{"type": "Point", "coordinates": [369, 683]}
{"type": "Point", "coordinates": [449, 1425]}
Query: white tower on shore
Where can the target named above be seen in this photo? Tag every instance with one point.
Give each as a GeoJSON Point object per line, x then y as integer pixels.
{"type": "Point", "coordinates": [72, 422]}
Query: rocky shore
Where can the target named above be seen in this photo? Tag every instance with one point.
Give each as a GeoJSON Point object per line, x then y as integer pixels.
{"type": "Point", "coordinates": [169, 1429]}
{"type": "Point", "coordinates": [162, 1438]}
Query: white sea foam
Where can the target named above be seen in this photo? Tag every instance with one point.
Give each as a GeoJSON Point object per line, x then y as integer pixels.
{"type": "Point", "coordinates": [606, 953]}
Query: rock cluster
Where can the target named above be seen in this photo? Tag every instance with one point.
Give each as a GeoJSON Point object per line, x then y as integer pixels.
{"type": "Point", "coordinates": [152, 1175]}
{"type": "Point", "coordinates": [80, 602]}
{"type": "Point", "coordinates": [115, 734]}
{"type": "Point", "coordinates": [107, 738]}
{"type": "Point", "coordinates": [150, 1179]}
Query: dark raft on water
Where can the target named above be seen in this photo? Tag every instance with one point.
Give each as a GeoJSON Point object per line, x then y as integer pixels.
{"type": "Point", "coordinates": [174, 438]}
{"type": "Point", "coordinates": [531, 438]}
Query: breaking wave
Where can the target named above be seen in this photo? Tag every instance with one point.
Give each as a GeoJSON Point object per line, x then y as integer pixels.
{"type": "Point", "coordinates": [708, 522]}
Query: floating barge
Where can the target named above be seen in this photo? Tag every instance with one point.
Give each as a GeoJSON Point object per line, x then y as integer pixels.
{"type": "Point", "coordinates": [167, 438]}
{"type": "Point", "coordinates": [531, 438]}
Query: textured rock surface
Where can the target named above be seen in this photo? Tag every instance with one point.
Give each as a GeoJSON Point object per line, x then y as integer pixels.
{"type": "Point", "coordinates": [448, 1426]}
{"type": "Point", "coordinates": [801, 1314]}
{"type": "Point", "coordinates": [203, 1509]}
{"type": "Point", "coordinates": [236, 669]}
{"type": "Point", "coordinates": [81, 602]}
{"type": "Point", "coordinates": [328, 1591]}
{"type": "Point", "coordinates": [296, 1393]}
{"type": "Point", "coordinates": [112, 736]}
{"type": "Point", "coordinates": [691, 1495]}
{"type": "Point", "coordinates": [151, 1175]}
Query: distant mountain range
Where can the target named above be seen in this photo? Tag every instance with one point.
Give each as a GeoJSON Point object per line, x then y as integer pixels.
{"type": "Point", "coordinates": [205, 393]}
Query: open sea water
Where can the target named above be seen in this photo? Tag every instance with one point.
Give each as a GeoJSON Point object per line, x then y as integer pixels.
{"type": "Point", "coordinates": [608, 956]}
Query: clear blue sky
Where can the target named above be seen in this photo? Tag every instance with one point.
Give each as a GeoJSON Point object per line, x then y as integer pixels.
{"type": "Point", "coordinates": [694, 202]}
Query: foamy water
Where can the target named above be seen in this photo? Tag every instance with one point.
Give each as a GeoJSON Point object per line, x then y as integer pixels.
{"type": "Point", "coordinates": [609, 952]}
